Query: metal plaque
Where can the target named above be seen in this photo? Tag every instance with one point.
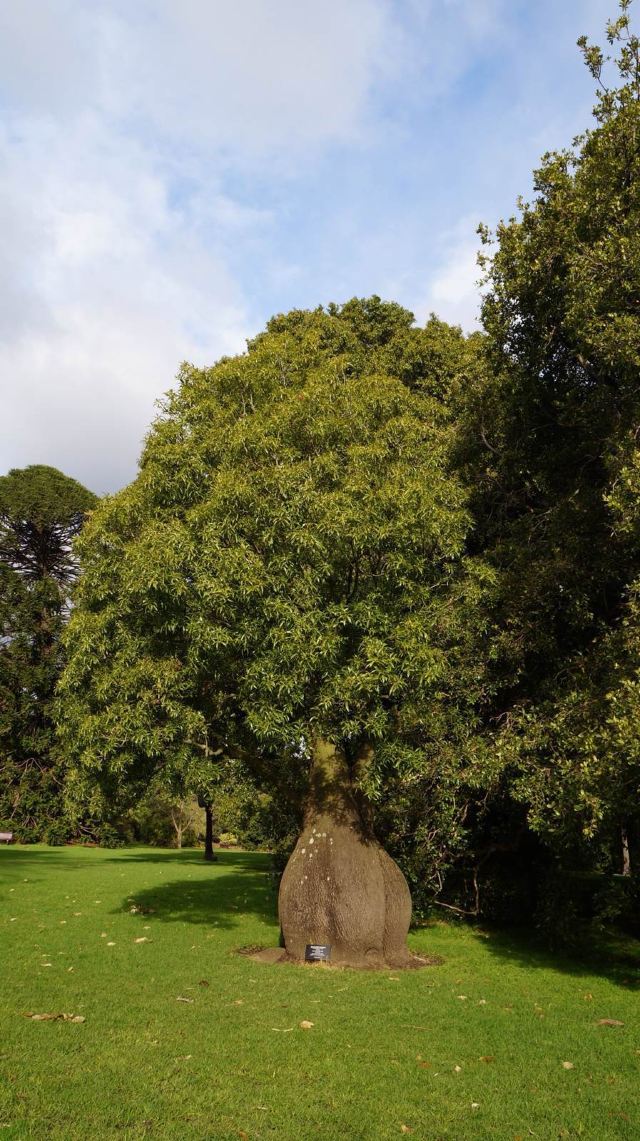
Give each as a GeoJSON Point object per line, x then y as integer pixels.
{"type": "Point", "coordinates": [317, 953]}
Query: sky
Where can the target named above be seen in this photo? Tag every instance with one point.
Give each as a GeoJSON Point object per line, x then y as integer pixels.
{"type": "Point", "coordinates": [174, 172]}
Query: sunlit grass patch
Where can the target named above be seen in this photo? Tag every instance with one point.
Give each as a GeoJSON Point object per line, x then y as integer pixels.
{"type": "Point", "coordinates": [185, 1038]}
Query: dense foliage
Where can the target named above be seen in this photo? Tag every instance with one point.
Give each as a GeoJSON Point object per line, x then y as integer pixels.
{"type": "Point", "coordinates": [551, 445]}
{"type": "Point", "coordinates": [290, 561]}
{"type": "Point", "coordinates": [41, 510]}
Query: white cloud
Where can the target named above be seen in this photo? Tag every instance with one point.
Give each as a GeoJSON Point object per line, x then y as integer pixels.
{"type": "Point", "coordinates": [251, 74]}
{"type": "Point", "coordinates": [247, 76]}
{"type": "Point", "coordinates": [118, 236]}
{"type": "Point", "coordinates": [142, 140]}
{"type": "Point", "coordinates": [110, 288]}
{"type": "Point", "coordinates": [453, 292]}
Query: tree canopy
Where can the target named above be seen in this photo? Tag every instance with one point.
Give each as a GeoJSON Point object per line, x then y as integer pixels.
{"type": "Point", "coordinates": [41, 510]}
{"type": "Point", "coordinates": [280, 563]}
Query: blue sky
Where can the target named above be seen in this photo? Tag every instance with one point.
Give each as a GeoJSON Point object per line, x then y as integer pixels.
{"type": "Point", "coordinates": [173, 172]}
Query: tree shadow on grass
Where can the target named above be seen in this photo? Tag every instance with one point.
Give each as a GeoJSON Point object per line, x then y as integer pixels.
{"type": "Point", "coordinates": [178, 857]}
{"type": "Point", "coordinates": [613, 956]}
{"type": "Point", "coordinates": [223, 900]}
{"type": "Point", "coordinates": [16, 861]}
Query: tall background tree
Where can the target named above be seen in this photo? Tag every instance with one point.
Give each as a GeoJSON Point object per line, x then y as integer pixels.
{"type": "Point", "coordinates": [551, 444]}
{"type": "Point", "coordinates": [41, 511]}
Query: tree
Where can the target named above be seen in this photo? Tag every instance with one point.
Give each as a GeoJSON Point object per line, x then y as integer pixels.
{"type": "Point", "coordinates": [164, 819]}
{"type": "Point", "coordinates": [552, 445]}
{"type": "Point", "coordinates": [41, 510]}
{"type": "Point", "coordinates": [287, 580]}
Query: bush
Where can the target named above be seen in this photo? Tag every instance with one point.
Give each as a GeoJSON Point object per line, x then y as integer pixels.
{"type": "Point", "coordinates": [24, 833]}
{"type": "Point", "coordinates": [108, 836]}
{"type": "Point", "coordinates": [57, 833]}
{"type": "Point", "coordinates": [617, 902]}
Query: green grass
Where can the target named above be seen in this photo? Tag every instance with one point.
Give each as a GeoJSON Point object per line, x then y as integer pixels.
{"type": "Point", "coordinates": [386, 1049]}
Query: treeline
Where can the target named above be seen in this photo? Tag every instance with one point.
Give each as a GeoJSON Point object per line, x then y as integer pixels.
{"type": "Point", "coordinates": [419, 545]}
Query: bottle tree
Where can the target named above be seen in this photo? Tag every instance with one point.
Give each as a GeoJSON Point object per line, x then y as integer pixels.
{"type": "Point", "coordinates": [286, 579]}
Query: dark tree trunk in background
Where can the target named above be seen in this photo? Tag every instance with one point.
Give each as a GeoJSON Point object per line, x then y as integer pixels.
{"type": "Point", "coordinates": [340, 887]}
{"type": "Point", "coordinates": [209, 853]}
{"type": "Point", "coordinates": [626, 854]}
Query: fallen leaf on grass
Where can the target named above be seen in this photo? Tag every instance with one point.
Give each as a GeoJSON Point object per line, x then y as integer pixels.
{"type": "Point", "coordinates": [610, 1022]}
{"type": "Point", "coordinates": [405, 1129]}
{"type": "Point", "coordinates": [54, 1017]}
{"type": "Point", "coordinates": [305, 1025]}
{"type": "Point", "coordinates": [462, 997]}
{"type": "Point", "coordinates": [244, 1136]}
{"type": "Point", "coordinates": [487, 1058]}
{"type": "Point", "coordinates": [475, 1105]}
{"type": "Point", "coordinates": [567, 1065]}
{"type": "Point", "coordinates": [142, 939]}
{"type": "Point", "coordinates": [181, 998]}
{"type": "Point", "coordinates": [203, 982]}
{"type": "Point", "coordinates": [238, 1002]}
{"type": "Point", "coordinates": [424, 1065]}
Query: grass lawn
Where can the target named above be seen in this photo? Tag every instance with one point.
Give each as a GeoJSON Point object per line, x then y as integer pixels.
{"type": "Point", "coordinates": [183, 1038]}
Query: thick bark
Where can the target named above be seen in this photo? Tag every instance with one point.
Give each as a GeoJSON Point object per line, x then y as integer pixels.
{"type": "Point", "coordinates": [340, 887]}
{"type": "Point", "coordinates": [209, 853]}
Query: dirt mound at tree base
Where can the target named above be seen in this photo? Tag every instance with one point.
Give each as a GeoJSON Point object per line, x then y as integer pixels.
{"type": "Point", "coordinates": [278, 956]}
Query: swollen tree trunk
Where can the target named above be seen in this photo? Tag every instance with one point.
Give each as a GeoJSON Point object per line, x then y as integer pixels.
{"type": "Point", "coordinates": [209, 853]}
{"type": "Point", "coordinates": [340, 888]}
